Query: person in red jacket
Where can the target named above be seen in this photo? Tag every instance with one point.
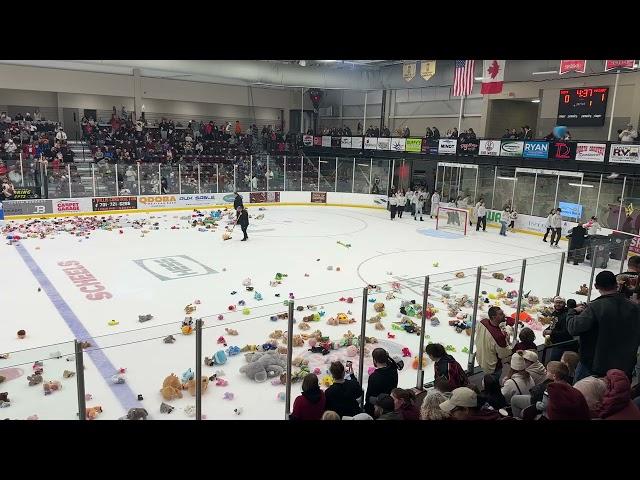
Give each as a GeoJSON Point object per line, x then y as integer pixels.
{"type": "Point", "coordinates": [311, 404]}
{"type": "Point", "coordinates": [566, 403]}
{"type": "Point", "coordinates": [616, 402]}
{"type": "Point", "coordinates": [404, 401]}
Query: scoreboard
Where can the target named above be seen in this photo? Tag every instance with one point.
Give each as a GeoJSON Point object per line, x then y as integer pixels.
{"type": "Point", "coordinates": [582, 107]}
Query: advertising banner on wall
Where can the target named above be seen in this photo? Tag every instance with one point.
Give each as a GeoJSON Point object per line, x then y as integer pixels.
{"type": "Point", "coordinates": [468, 146]}
{"type": "Point", "coordinates": [489, 147]}
{"type": "Point", "coordinates": [430, 146]}
{"type": "Point", "coordinates": [73, 205]}
{"type": "Point", "coordinates": [194, 200]}
{"type": "Point", "coordinates": [447, 146]}
{"type": "Point", "coordinates": [384, 143]}
{"type": "Point", "coordinates": [317, 141]}
{"type": "Point", "coordinates": [307, 140]}
{"type": "Point", "coordinates": [25, 193]}
{"type": "Point", "coordinates": [103, 204]}
{"type": "Point", "coordinates": [264, 197]}
{"type": "Point", "coordinates": [511, 148]}
{"type": "Point", "coordinates": [370, 143]}
{"type": "Point", "coordinates": [562, 150]}
{"type": "Point", "coordinates": [26, 207]}
{"type": "Point", "coordinates": [157, 201]}
{"type": "Point", "coordinates": [398, 144]}
{"type": "Point", "coordinates": [336, 142]}
{"type": "Point", "coordinates": [413, 145]}
{"type": "Point", "coordinates": [591, 152]}
{"type": "Point", "coordinates": [326, 141]}
{"type": "Point", "coordinates": [318, 197]}
{"type": "Point", "coordinates": [623, 153]}
{"type": "Point", "coordinates": [356, 142]}
{"type": "Point", "coordinates": [345, 142]}
{"type": "Point", "coordinates": [535, 149]}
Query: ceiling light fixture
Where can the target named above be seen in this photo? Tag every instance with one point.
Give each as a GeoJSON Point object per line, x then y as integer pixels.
{"type": "Point", "coordinates": [506, 178]}
{"type": "Point", "coordinates": [581, 185]}
{"type": "Point", "coordinates": [535, 100]}
{"type": "Point", "coordinates": [478, 78]}
{"type": "Point", "coordinates": [549, 72]}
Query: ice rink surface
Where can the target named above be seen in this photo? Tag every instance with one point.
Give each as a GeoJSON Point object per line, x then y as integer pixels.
{"type": "Point", "coordinates": [162, 271]}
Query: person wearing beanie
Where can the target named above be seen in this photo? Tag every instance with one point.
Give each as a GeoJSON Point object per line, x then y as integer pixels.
{"type": "Point", "coordinates": [616, 402]}
{"type": "Point", "coordinates": [609, 330]}
{"type": "Point", "coordinates": [557, 331]}
{"type": "Point", "coordinates": [463, 405]}
{"type": "Point", "coordinates": [566, 403]}
{"type": "Point", "coordinates": [520, 382]}
{"type": "Point", "coordinates": [534, 367]}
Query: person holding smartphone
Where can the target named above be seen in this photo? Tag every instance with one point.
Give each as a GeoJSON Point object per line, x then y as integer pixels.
{"type": "Point", "coordinates": [342, 396]}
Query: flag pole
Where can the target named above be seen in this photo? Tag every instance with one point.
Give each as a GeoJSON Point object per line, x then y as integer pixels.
{"type": "Point", "coordinates": [460, 116]}
{"type": "Point", "coordinates": [613, 104]}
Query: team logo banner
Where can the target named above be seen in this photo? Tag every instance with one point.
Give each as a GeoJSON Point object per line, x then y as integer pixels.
{"type": "Point", "coordinates": [618, 65]}
{"type": "Point", "coordinates": [307, 140]}
{"type": "Point", "coordinates": [317, 141]}
{"type": "Point", "coordinates": [489, 147]}
{"type": "Point", "coordinates": [398, 144]}
{"type": "Point", "coordinates": [468, 147]}
{"type": "Point", "coordinates": [563, 150]}
{"type": "Point", "coordinates": [409, 71]}
{"type": "Point", "coordinates": [591, 152]}
{"type": "Point", "coordinates": [578, 66]}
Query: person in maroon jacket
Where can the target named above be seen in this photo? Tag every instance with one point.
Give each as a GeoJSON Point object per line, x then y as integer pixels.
{"type": "Point", "coordinates": [405, 404]}
{"type": "Point", "coordinates": [311, 404]}
{"type": "Point", "coordinates": [616, 403]}
{"type": "Point", "coordinates": [566, 403]}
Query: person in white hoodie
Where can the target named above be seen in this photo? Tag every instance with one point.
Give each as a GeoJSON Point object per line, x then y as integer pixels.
{"type": "Point", "coordinates": [409, 202]}
{"type": "Point", "coordinates": [504, 221]}
{"type": "Point", "coordinates": [414, 201]}
{"type": "Point", "coordinates": [556, 227]}
{"type": "Point", "coordinates": [520, 381]}
{"type": "Point", "coordinates": [481, 212]}
{"type": "Point", "coordinates": [549, 217]}
{"type": "Point", "coordinates": [402, 201]}
{"type": "Point", "coordinates": [419, 204]}
{"type": "Point", "coordinates": [629, 134]}
{"type": "Point", "coordinates": [435, 202]}
{"type": "Point", "coordinates": [393, 203]}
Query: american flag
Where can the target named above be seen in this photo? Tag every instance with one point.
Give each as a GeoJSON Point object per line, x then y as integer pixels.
{"type": "Point", "coordinates": [463, 77]}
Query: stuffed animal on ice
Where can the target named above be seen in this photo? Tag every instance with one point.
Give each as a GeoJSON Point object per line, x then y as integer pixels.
{"type": "Point", "coordinates": [136, 413]}
{"type": "Point", "coordinates": [583, 290]}
{"type": "Point", "coordinates": [264, 365]}
{"type": "Point", "coordinates": [189, 309]}
{"type": "Point", "coordinates": [51, 386]}
{"type": "Point", "coordinates": [92, 412]}
{"type": "Point", "coordinates": [187, 325]}
{"type": "Point", "coordinates": [378, 307]}
{"type": "Point", "coordinates": [191, 385]}
{"type": "Point", "coordinates": [498, 275]}
{"type": "Point", "coordinates": [171, 388]}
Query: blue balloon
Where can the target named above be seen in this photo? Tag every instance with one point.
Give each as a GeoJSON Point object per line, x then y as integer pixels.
{"type": "Point", "coordinates": [559, 132]}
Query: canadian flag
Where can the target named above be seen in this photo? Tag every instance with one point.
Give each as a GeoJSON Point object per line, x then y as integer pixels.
{"type": "Point", "coordinates": [492, 76]}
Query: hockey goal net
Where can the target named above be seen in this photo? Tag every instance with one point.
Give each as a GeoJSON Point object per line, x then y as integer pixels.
{"type": "Point", "coordinates": [451, 218]}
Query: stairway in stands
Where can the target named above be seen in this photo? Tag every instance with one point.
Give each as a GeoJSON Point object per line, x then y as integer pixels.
{"type": "Point", "coordinates": [81, 151]}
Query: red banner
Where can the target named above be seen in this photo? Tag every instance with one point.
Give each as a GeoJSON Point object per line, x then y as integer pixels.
{"type": "Point", "coordinates": [579, 66]}
{"type": "Point", "coordinates": [618, 64]}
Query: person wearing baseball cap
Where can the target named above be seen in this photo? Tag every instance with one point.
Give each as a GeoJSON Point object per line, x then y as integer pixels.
{"type": "Point", "coordinates": [609, 330]}
{"type": "Point", "coordinates": [384, 408]}
{"type": "Point", "coordinates": [557, 332]}
{"type": "Point", "coordinates": [359, 416]}
{"type": "Point", "coordinates": [463, 405]}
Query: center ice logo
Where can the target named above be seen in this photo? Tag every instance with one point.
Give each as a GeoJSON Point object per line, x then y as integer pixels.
{"type": "Point", "coordinates": [174, 267]}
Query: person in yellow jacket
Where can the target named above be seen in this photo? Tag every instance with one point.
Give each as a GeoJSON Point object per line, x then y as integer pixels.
{"type": "Point", "coordinates": [492, 343]}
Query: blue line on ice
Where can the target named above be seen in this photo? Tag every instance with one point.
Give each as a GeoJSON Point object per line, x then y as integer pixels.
{"type": "Point", "coordinates": [122, 391]}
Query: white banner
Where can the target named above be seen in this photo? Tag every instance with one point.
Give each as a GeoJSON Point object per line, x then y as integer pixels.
{"type": "Point", "coordinates": [370, 143]}
{"type": "Point", "coordinates": [511, 148]}
{"type": "Point", "coordinates": [384, 143]}
{"type": "Point", "coordinates": [489, 147]}
{"type": "Point", "coordinates": [356, 142]}
{"type": "Point", "coordinates": [447, 146]}
{"type": "Point", "coordinates": [345, 142]}
{"type": "Point", "coordinates": [207, 199]}
{"type": "Point", "coordinates": [326, 141]}
{"type": "Point", "coordinates": [73, 205]}
{"type": "Point", "coordinates": [398, 144]}
{"type": "Point", "coordinates": [623, 153]}
{"type": "Point", "coordinates": [307, 140]}
{"type": "Point", "coordinates": [591, 152]}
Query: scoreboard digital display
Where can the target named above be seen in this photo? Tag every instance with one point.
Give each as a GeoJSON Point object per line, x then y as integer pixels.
{"type": "Point", "coordinates": [582, 107]}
